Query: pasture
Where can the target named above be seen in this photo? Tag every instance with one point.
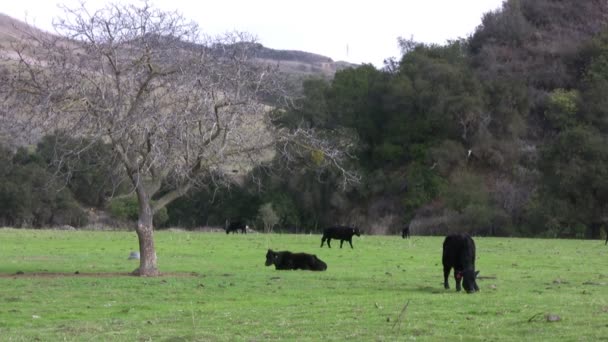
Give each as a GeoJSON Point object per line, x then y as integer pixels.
{"type": "Point", "coordinates": [215, 287]}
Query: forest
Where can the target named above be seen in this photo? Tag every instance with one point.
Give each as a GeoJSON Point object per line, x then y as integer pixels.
{"type": "Point", "coordinates": [502, 133]}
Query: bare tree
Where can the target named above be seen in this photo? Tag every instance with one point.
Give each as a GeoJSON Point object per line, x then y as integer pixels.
{"type": "Point", "coordinates": [268, 217]}
{"type": "Point", "coordinates": [178, 108]}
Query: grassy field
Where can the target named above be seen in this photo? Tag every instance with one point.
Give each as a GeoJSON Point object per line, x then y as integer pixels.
{"type": "Point", "coordinates": [216, 288]}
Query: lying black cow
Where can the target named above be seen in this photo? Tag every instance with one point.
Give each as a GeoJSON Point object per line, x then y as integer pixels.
{"type": "Point", "coordinates": [405, 233]}
{"type": "Point", "coordinates": [286, 260]}
{"type": "Point", "coordinates": [342, 233]}
{"type": "Point", "coordinates": [236, 226]}
{"type": "Point", "coordinates": [459, 253]}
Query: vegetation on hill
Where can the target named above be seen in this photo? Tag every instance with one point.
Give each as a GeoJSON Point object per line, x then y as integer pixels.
{"type": "Point", "coordinates": [501, 133]}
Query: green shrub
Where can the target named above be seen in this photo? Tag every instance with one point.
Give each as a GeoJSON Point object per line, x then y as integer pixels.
{"type": "Point", "coordinates": [126, 208]}
{"type": "Point", "coordinates": [562, 106]}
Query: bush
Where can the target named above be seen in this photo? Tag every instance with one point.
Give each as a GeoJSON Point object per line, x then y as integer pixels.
{"type": "Point", "coordinates": [126, 208]}
{"type": "Point", "coordinates": [92, 174]}
{"type": "Point", "coordinates": [562, 106]}
{"type": "Point", "coordinates": [31, 197]}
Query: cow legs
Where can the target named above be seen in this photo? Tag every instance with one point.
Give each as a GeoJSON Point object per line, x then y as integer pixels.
{"type": "Point", "coordinates": [458, 278]}
{"type": "Point", "coordinates": [351, 243]}
{"type": "Point", "coordinates": [341, 242]}
{"type": "Point", "coordinates": [446, 274]}
{"type": "Point", "coordinates": [326, 239]}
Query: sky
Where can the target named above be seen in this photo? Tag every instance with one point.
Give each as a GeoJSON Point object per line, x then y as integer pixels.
{"type": "Point", "coordinates": [357, 31]}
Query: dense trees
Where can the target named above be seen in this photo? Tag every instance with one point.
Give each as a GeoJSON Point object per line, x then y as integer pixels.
{"type": "Point", "coordinates": [31, 197]}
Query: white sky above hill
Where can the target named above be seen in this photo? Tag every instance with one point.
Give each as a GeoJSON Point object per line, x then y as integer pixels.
{"type": "Point", "coordinates": [355, 31]}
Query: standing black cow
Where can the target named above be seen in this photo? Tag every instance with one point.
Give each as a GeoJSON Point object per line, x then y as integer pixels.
{"type": "Point", "coordinates": [405, 233]}
{"type": "Point", "coordinates": [286, 260]}
{"type": "Point", "coordinates": [236, 226]}
{"type": "Point", "coordinates": [343, 233]}
{"type": "Point", "coordinates": [459, 253]}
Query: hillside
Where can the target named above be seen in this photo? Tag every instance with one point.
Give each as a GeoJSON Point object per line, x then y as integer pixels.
{"type": "Point", "coordinates": [301, 62]}
{"type": "Point", "coordinates": [291, 62]}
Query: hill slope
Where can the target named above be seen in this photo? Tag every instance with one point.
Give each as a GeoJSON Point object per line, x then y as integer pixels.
{"type": "Point", "coordinates": [291, 62]}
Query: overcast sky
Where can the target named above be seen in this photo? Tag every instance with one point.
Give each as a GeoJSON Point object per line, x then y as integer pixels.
{"type": "Point", "coordinates": [356, 31]}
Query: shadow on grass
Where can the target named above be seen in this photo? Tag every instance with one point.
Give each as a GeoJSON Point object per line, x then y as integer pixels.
{"type": "Point", "coordinates": [429, 289]}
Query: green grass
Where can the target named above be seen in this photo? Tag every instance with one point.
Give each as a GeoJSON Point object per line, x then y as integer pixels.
{"type": "Point", "coordinates": [216, 288]}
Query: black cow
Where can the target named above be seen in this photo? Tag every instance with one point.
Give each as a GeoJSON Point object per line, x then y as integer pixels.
{"type": "Point", "coordinates": [405, 233]}
{"type": "Point", "coordinates": [459, 253]}
{"type": "Point", "coordinates": [343, 233]}
{"type": "Point", "coordinates": [286, 260]}
{"type": "Point", "coordinates": [236, 226]}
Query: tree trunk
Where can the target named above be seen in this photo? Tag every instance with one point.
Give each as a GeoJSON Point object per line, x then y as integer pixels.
{"type": "Point", "coordinates": [145, 234]}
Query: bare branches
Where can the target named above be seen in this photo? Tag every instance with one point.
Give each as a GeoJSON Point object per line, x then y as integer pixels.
{"type": "Point", "coordinates": [306, 147]}
{"type": "Point", "coordinates": [178, 108]}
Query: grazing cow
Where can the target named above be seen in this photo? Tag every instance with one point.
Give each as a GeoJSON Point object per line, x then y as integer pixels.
{"type": "Point", "coordinates": [459, 253]}
{"type": "Point", "coordinates": [236, 226]}
{"type": "Point", "coordinates": [286, 260]}
{"type": "Point", "coordinates": [343, 233]}
{"type": "Point", "coordinates": [405, 233]}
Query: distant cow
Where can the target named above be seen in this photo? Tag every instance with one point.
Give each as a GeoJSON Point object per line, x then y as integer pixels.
{"type": "Point", "coordinates": [236, 226]}
{"type": "Point", "coordinates": [459, 253]}
{"type": "Point", "coordinates": [343, 233]}
{"type": "Point", "coordinates": [286, 260]}
{"type": "Point", "coordinates": [405, 233]}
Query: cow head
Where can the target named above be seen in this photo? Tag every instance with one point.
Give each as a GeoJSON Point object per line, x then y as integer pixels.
{"type": "Point", "coordinates": [356, 231]}
{"type": "Point", "coordinates": [270, 256]}
{"type": "Point", "coordinates": [469, 280]}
